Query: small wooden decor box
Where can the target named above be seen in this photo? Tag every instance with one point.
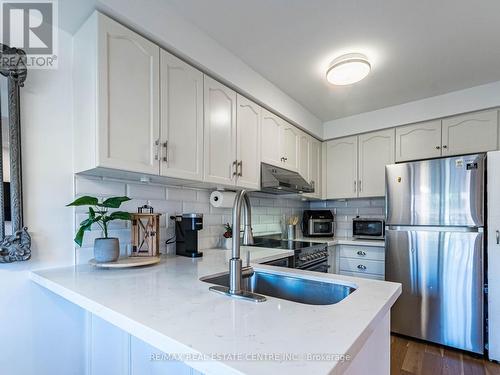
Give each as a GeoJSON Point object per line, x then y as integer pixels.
{"type": "Point", "coordinates": [145, 232]}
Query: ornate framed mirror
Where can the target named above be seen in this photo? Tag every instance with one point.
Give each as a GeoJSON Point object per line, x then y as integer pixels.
{"type": "Point", "coordinates": [15, 242]}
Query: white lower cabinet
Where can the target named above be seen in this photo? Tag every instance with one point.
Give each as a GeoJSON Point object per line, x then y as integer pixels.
{"type": "Point", "coordinates": [361, 261]}
{"type": "Point", "coordinates": [113, 351]}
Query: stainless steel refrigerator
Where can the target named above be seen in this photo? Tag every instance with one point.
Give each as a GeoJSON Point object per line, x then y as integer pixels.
{"type": "Point", "coordinates": [434, 247]}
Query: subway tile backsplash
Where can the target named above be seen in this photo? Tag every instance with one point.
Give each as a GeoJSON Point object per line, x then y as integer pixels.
{"type": "Point", "coordinates": [267, 212]}
{"type": "Point", "coordinates": [347, 209]}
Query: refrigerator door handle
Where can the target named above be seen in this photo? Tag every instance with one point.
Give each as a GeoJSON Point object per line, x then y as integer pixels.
{"type": "Point", "coordinates": [434, 229]}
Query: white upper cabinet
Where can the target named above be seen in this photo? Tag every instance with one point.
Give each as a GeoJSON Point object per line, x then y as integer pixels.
{"type": "Point", "coordinates": [116, 98]}
{"type": "Point", "coordinates": [271, 141]}
{"type": "Point", "coordinates": [291, 147]}
{"type": "Point", "coordinates": [341, 168]}
{"type": "Point", "coordinates": [248, 131]}
{"type": "Point", "coordinates": [219, 133]}
{"type": "Point", "coordinates": [315, 152]}
{"type": "Point", "coordinates": [181, 119]}
{"type": "Point", "coordinates": [470, 133]}
{"type": "Point", "coordinates": [418, 141]}
{"type": "Point", "coordinates": [303, 158]}
{"type": "Point", "coordinates": [280, 142]}
{"type": "Point", "coordinates": [376, 150]}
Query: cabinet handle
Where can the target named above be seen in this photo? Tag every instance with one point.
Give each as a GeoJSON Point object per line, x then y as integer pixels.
{"type": "Point", "coordinates": [445, 146]}
{"type": "Point", "coordinates": [355, 186]}
{"type": "Point", "coordinates": [165, 145]}
{"type": "Point", "coordinates": [438, 147]}
{"type": "Point", "coordinates": [157, 142]}
{"type": "Point", "coordinates": [498, 237]}
{"type": "Point", "coordinates": [360, 186]}
{"type": "Point", "coordinates": [235, 167]}
{"type": "Point", "coordinates": [361, 267]}
{"type": "Point", "coordinates": [361, 253]}
{"type": "Point", "coordinates": [240, 164]}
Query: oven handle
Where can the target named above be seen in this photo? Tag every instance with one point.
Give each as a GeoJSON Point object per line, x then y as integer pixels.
{"type": "Point", "coordinates": [313, 263]}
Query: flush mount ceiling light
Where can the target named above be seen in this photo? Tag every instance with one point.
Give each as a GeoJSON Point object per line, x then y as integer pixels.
{"type": "Point", "coordinates": [348, 69]}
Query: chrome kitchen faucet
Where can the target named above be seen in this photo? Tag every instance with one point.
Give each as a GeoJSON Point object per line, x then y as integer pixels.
{"type": "Point", "coordinates": [236, 270]}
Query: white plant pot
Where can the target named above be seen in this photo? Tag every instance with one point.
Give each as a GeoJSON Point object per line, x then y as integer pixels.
{"type": "Point", "coordinates": [227, 243]}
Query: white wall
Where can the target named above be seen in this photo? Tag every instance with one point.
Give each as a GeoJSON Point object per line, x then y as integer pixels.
{"type": "Point", "coordinates": [468, 100]}
{"type": "Point", "coordinates": [39, 332]}
{"type": "Point", "coordinates": [156, 20]}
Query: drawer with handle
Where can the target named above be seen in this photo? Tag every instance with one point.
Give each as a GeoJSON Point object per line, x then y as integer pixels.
{"type": "Point", "coordinates": [375, 267]}
{"type": "Point", "coordinates": [362, 252]}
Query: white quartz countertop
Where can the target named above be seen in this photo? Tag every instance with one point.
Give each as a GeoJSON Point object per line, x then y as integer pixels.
{"type": "Point", "coordinates": [168, 307]}
{"type": "Point", "coordinates": [332, 241]}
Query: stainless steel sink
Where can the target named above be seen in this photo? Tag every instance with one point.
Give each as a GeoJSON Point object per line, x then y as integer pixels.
{"type": "Point", "coordinates": [310, 292]}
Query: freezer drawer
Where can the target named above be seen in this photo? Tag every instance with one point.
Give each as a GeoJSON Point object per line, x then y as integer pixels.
{"type": "Point", "coordinates": [442, 277]}
{"type": "Point", "coordinates": [441, 192]}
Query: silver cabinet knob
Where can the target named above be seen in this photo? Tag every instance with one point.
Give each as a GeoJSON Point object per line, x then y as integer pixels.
{"type": "Point", "coordinates": [438, 147]}
{"type": "Point", "coordinates": [361, 253]}
{"type": "Point", "coordinates": [361, 267]}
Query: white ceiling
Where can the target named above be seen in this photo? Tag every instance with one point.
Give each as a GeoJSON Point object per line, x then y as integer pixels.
{"type": "Point", "coordinates": [418, 49]}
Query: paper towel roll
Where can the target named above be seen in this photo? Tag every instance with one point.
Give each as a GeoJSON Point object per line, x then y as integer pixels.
{"type": "Point", "coordinates": [222, 199]}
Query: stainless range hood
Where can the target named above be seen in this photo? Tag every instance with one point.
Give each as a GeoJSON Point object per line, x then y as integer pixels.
{"type": "Point", "coordinates": [276, 180]}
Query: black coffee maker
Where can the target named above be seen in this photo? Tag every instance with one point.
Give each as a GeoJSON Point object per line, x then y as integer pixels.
{"type": "Point", "coordinates": [186, 234]}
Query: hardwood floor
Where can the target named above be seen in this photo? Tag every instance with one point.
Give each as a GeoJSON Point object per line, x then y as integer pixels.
{"type": "Point", "coordinates": [409, 357]}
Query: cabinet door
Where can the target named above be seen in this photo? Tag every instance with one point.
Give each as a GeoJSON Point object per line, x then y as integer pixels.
{"type": "Point", "coordinates": [303, 159]}
{"type": "Point", "coordinates": [272, 134]}
{"type": "Point", "coordinates": [493, 246]}
{"type": "Point", "coordinates": [128, 103]}
{"type": "Point", "coordinates": [219, 133]}
{"type": "Point", "coordinates": [248, 143]}
{"type": "Point", "coordinates": [418, 141]}
{"type": "Point", "coordinates": [291, 147]}
{"type": "Point", "coordinates": [315, 167]}
{"type": "Point", "coordinates": [181, 119]}
{"type": "Point", "coordinates": [475, 132]}
{"type": "Point", "coordinates": [341, 168]}
{"type": "Point", "coordinates": [376, 150]}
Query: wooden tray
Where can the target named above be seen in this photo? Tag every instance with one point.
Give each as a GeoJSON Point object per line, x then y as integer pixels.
{"type": "Point", "coordinates": [127, 262]}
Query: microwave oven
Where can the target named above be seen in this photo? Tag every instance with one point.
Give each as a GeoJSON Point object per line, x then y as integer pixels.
{"type": "Point", "coordinates": [368, 229]}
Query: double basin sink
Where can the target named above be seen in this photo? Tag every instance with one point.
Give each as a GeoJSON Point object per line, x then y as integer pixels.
{"type": "Point", "coordinates": [291, 288]}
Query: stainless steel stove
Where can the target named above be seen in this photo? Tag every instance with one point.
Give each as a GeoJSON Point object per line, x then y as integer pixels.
{"type": "Point", "coordinates": [311, 256]}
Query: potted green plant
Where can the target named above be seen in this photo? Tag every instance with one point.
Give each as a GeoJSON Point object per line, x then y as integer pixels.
{"type": "Point", "coordinates": [106, 249]}
{"type": "Point", "coordinates": [228, 236]}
